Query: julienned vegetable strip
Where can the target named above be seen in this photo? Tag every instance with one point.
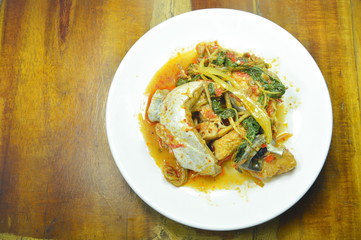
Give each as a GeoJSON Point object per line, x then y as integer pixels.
{"type": "Point", "coordinates": [254, 107]}
{"type": "Point", "coordinates": [228, 128]}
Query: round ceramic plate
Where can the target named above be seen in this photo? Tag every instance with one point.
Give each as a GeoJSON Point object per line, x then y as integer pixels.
{"type": "Point", "coordinates": [309, 118]}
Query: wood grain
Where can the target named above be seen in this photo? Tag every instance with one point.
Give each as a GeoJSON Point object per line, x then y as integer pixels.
{"type": "Point", "coordinates": [331, 36]}
{"type": "Point", "coordinates": [59, 58]}
{"type": "Point", "coordinates": [162, 10]}
{"type": "Point", "coordinates": [58, 179]}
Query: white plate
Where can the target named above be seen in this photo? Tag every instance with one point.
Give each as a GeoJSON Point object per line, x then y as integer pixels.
{"type": "Point", "coordinates": [310, 121]}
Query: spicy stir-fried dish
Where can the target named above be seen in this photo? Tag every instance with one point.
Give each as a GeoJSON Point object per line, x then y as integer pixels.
{"type": "Point", "coordinates": [221, 107]}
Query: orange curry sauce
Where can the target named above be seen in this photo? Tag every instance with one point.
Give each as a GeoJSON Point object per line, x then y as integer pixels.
{"type": "Point", "coordinates": [166, 78]}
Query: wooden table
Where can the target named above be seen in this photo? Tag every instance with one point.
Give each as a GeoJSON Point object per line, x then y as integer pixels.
{"type": "Point", "coordinates": [58, 178]}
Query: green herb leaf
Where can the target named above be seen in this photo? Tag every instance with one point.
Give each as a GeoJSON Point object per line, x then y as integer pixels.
{"type": "Point", "coordinates": [252, 127]}
{"type": "Point", "coordinates": [230, 63]}
{"type": "Point", "coordinates": [277, 87]}
{"type": "Point", "coordinates": [223, 113]}
{"type": "Point", "coordinates": [212, 90]}
{"type": "Point", "coordinates": [220, 59]}
{"type": "Point", "coordinates": [227, 113]}
{"type": "Point", "coordinates": [240, 151]}
{"type": "Point", "coordinates": [195, 77]}
{"type": "Point", "coordinates": [223, 60]}
{"type": "Point", "coordinates": [216, 105]}
{"type": "Point", "coordinates": [273, 85]}
{"type": "Point", "coordinates": [181, 81]}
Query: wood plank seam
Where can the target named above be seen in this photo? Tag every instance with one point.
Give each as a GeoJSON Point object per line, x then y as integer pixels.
{"type": "Point", "coordinates": [355, 47]}
{"type": "Point", "coordinates": [256, 7]}
{"type": "Point", "coordinates": [163, 10]}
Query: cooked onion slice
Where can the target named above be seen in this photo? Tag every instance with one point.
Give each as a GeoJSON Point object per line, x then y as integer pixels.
{"type": "Point", "coordinates": [175, 175]}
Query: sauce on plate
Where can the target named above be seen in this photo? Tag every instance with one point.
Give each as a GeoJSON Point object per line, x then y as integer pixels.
{"type": "Point", "coordinates": [166, 78]}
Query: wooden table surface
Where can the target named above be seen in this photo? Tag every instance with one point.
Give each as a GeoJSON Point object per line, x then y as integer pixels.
{"type": "Point", "coordinates": [58, 178]}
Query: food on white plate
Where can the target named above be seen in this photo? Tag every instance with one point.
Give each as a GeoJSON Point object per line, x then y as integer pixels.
{"type": "Point", "coordinates": [214, 107]}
